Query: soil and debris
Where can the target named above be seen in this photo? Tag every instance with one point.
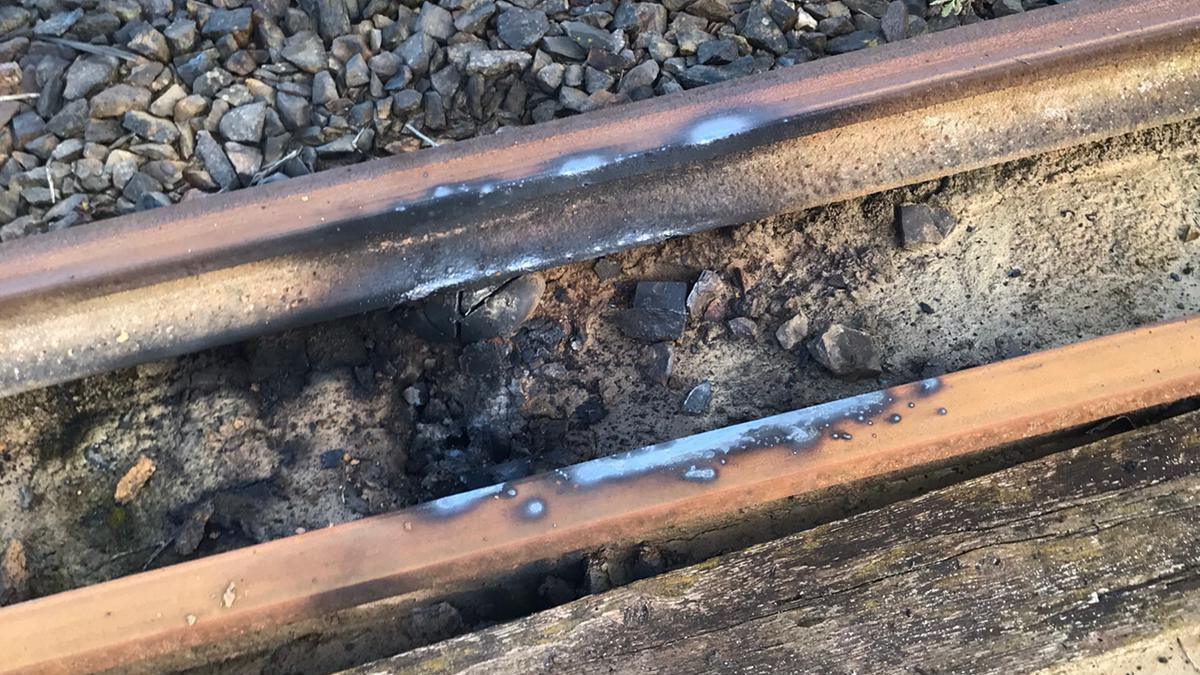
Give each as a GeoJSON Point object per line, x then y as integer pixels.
{"type": "Point", "coordinates": [179, 459]}
{"type": "Point", "coordinates": [113, 106]}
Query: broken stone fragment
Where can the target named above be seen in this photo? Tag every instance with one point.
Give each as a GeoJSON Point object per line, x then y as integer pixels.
{"type": "Point", "coordinates": [659, 362]}
{"type": "Point", "coordinates": [502, 313]}
{"type": "Point", "coordinates": [192, 532]}
{"type": "Point", "coordinates": [846, 352]}
{"type": "Point", "coordinates": [922, 225]}
{"type": "Point", "coordinates": [658, 312]}
{"type": "Point", "coordinates": [743, 327]}
{"type": "Point", "coordinates": [134, 480]}
{"type": "Point", "coordinates": [698, 399]}
{"type": "Point", "coordinates": [481, 313]}
{"type": "Point", "coordinates": [792, 332]}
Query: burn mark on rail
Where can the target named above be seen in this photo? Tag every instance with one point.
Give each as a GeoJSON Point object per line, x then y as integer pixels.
{"type": "Point", "coordinates": [698, 133]}
{"type": "Point", "coordinates": [696, 459]}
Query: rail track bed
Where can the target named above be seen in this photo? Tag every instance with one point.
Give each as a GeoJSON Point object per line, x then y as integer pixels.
{"type": "Point", "coordinates": [252, 478]}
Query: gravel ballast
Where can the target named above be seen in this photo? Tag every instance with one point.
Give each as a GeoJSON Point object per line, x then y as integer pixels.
{"type": "Point", "coordinates": [183, 98]}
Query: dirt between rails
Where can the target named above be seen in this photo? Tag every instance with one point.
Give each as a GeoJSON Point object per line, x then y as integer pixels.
{"type": "Point", "coordinates": [315, 427]}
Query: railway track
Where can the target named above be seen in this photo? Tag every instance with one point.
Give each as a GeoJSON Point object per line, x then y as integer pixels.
{"type": "Point", "coordinates": [187, 277]}
{"type": "Point", "coordinates": [167, 282]}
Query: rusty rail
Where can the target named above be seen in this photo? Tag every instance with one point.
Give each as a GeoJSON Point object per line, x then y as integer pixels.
{"type": "Point", "coordinates": [165, 618]}
{"type": "Point", "coordinates": [227, 267]}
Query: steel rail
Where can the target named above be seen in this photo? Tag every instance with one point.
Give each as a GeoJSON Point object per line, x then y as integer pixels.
{"type": "Point", "coordinates": [142, 622]}
{"type": "Point", "coordinates": [227, 267]}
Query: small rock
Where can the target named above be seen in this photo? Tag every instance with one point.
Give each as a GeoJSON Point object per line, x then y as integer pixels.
{"type": "Point", "coordinates": [20, 227]}
{"type": "Point", "coordinates": [68, 151]}
{"type": "Point", "coordinates": [150, 127]}
{"type": "Point", "coordinates": [416, 52]}
{"type": "Point", "coordinates": [846, 352]}
{"type": "Point", "coordinates": [357, 73]}
{"type": "Point", "coordinates": [295, 111]}
{"type": "Point", "coordinates": [87, 74]}
{"type": "Point", "coordinates": [134, 480]}
{"type": "Point", "coordinates": [59, 24]}
{"type": "Point", "coordinates": [435, 22]}
{"type": "Point", "coordinates": [36, 195]}
{"type": "Point", "coordinates": [385, 65]}
{"type": "Point", "coordinates": [588, 37]}
{"type": "Point", "coordinates": [713, 10]}
{"type": "Point", "coordinates": [148, 42]}
{"type": "Point", "coordinates": [561, 45]}
{"type": "Point", "coordinates": [152, 199]}
{"type": "Point", "coordinates": [118, 100]}
{"type": "Point", "coordinates": [659, 362]}
{"type": "Point", "coordinates": [743, 327]}
{"type": "Point", "coordinates": [192, 532]}
{"type": "Point", "coordinates": [475, 19]}
{"type": "Point", "coordinates": [501, 313]}
{"type": "Point", "coordinates": [332, 16]}
{"type": "Point", "coordinates": [64, 207]}
{"type": "Point", "coordinates": [497, 62]}
{"type": "Point", "coordinates": [521, 28]}
{"type": "Point", "coordinates": [26, 127]}
{"type": "Point", "coordinates": [324, 89]}
{"type": "Point", "coordinates": [859, 39]}
{"type": "Point", "coordinates": [792, 332]}
{"type": "Point", "coordinates": [244, 123]}
{"type": "Point", "coordinates": [13, 17]}
{"type": "Point", "coordinates": [306, 51]}
{"type": "Point", "coordinates": [139, 184]}
{"type": "Point", "coordinates": [642, 75]}
{"type": "Point", "coordinates": [346, 46]}
{"type": "Point", "coordinates": [706, 289]}
{"type": "Point", "coordinates": [228, 21]}
{"type": "Point", "coordinates": [164, 105]}
{"type": "Point", "coordinates": [406, 101]}
{"type": "Point", "coordinates": [895, 21]}
{"type": "Point", "coordinates": [246, 160]}
{"type": "Point", "coordinates": [761, 31]}
{"type": "Point", "coordinates": [215, 162]}
{"type": "Point", "coordinates": [922, 225]}
{"type": "Point", "coordinates": [658, 312]}
{"type": "Point", "coordinates": [698, 399]}
{"type": "Point", "coordinates": [414, 396]}
{"type": "Point", "coordinates": [190, 106]}
{"type": "Point", "coordinates": [181, 35]}
{"type": "Point", "coordinates": [716, 52]}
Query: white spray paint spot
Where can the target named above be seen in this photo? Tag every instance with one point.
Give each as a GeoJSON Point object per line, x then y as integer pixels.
{"type": "Point", "coordinates": [700, 475]}
{"type": "Point", "coordinates": [717, 128]}
{"type": "Point", "coordinates": [578, 165]}
{"type": "Point", "coordinates": [458, 503]}
{"type": "Point", "coordinates": [798, 427]}
{"type": "Point", "coordinates": [534, 508]}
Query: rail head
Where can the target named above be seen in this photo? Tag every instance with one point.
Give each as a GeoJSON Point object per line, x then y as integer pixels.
{"type": "Point", "coordinates": [182, 278]}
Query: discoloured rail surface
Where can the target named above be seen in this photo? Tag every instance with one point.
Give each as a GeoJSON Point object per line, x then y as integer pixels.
{"type": "Point", "coordinates": [147, 621]}
{"type": "Point", "coordinates": [181, 278]}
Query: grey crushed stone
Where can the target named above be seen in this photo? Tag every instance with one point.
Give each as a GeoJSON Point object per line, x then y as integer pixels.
{"type": "Point", "coordinates": [306, 86]}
